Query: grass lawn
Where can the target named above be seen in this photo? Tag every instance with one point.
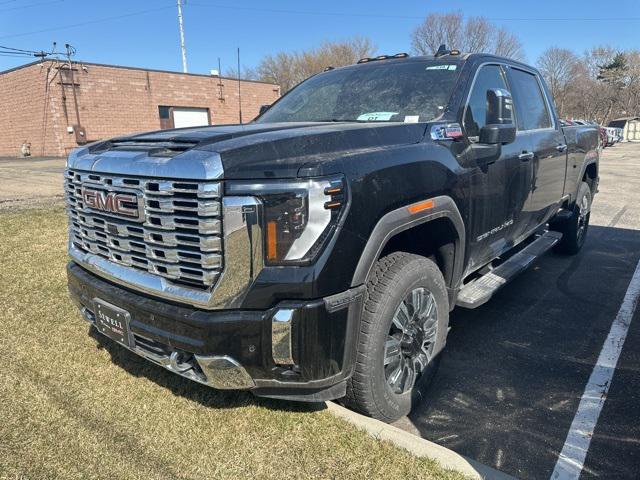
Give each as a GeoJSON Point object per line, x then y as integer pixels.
{"type": "Point", "coordinates": [73, 405]}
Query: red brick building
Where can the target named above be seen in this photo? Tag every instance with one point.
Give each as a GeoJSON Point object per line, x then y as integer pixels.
{"type": "Point", "coordinates": [55, 106]}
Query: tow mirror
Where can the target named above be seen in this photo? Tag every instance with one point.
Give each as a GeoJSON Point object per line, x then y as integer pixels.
{"type": "Point", "coordinates": [499, 129]}
{"type": "Point", "coordinates": [264, 108]}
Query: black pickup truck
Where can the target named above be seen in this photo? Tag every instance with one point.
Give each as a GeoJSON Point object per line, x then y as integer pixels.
{"type": "Point", "coordinates": [316, 252]}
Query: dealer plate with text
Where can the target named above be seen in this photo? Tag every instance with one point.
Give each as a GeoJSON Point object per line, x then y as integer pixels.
{"type": "Point", "coordinates": [113, 322]}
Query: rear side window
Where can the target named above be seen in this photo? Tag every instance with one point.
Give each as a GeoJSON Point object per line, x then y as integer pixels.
{"type": "Point", "coordinates": [475, 115]}
{"type": "Point", "coordinates": [529, 101]}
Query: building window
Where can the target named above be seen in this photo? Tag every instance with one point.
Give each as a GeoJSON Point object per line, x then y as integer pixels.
{"type": "Point", "coordinates": [165, 112]}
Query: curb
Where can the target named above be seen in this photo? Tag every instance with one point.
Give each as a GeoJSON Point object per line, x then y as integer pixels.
{"type": "Point", "coordinates": [418, 446]}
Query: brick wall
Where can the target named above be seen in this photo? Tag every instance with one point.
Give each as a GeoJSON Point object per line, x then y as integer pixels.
{"type": "Point", "coordinates": [22, 94]}
{"type": "Point", "coordinates": [111, 101]}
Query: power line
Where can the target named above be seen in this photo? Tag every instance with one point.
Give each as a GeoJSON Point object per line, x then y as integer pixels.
{"type": "Point", "coordinates": [302, 12]}
{"type": "Point", "coordinates": [15, 54]}
{"type": "Point", "coordinates": [410, 17]}
{"type": "Point", "coordinates": [89, 22]}
{"type": "Point", "coordinates": [30, 5]}
{"type": "Point", "coordinates": [17, 49]}
{"type": "Point", "coordinates": [22, 53]}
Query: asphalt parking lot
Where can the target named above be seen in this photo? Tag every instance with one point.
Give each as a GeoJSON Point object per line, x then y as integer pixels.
{"type": "Point", "coordinates": [514, 370]}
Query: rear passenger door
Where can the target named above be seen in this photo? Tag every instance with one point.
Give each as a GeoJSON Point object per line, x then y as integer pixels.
{"type": "Point", "coordinates": [536, 123]}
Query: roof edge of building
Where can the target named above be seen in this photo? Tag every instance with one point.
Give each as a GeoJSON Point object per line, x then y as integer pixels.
{"type": "Point", "coordinates": [126, 67]}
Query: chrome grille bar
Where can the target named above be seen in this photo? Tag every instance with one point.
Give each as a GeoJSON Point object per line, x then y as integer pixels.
{"type": "Point", "coordinates": [179, 239]}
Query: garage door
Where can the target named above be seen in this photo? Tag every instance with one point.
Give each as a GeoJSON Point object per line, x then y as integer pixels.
{"type": "Point", "coordinates": [190, 117]}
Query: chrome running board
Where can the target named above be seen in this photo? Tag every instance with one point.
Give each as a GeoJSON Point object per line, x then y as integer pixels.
{"type": "Point", "coordinates": [480, 290]}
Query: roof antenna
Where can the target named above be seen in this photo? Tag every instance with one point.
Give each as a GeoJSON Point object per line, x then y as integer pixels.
{"type": "Point", "coordinates": [442, 50]}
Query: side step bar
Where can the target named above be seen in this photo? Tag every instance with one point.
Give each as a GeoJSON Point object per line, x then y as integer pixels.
{"type": "Point", "coordinates": [479, 291]}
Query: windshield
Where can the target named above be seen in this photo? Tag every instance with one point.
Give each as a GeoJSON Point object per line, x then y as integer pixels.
{"type": "Point", "coordinates": [410, 91]}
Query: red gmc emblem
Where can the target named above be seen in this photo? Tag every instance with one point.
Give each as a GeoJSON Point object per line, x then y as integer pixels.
{"type": "Point", "coordinates": [115, 203]}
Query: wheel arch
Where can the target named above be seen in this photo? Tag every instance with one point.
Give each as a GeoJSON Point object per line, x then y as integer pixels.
{"type": "Point", "coordinates": [589, 175]}
{"type": "Point", "coordinates": [409, 226]}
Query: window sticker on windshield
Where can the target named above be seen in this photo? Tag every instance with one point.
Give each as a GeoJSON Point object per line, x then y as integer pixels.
{"type": "Point", "coordinates": [376, 116]}
{"type": "Point", "coordinates": [411, 118]}
{"type": "Point", "coordinates": [442, 67]}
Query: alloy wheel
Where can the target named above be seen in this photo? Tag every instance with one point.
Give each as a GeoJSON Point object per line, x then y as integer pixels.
{"type": "Point", "coordinates": [409, 345]}
{"type": "Point", "coordinates": [583, 217]}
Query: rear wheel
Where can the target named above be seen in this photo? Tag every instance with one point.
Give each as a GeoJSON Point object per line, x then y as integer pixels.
{"type": "Point", "coordinates": [574, 229]}
{"type": "Point", "coordinates": [402, 332]}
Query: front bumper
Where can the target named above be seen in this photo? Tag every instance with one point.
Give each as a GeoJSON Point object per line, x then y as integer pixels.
{"type": "Point", "coordinates": [300, 350]}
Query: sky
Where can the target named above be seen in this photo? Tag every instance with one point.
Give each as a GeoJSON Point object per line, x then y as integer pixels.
{"type": "Point", "coordinates": [144, 33]}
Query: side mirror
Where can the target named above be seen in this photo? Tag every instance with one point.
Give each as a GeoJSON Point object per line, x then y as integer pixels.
{"type": "Point", "coordinates": [497, 134]}
{"type": "Point", "coordinates": [263, 108]}
{"type": "Point", "coordinates": [500, 128]}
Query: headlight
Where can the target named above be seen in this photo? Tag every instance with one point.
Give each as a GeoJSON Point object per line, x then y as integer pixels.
{"type": "Point", "coordinates": [299, 216]}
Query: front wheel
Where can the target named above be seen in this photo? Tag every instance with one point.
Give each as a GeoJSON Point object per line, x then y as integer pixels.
{"type": "Point", "coordinates": [402, 332]}
{"type": "Point", "coordinates": [574, 229]}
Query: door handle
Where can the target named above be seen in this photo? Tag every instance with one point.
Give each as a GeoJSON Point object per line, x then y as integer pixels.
{"type": "Point", "coordinates": [562, 147]}
{"type": "Point", "coordinates": [524, 156]}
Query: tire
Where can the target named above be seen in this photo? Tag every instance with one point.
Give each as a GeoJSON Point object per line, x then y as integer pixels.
{"type": "Point", "coordinates": [574, 229]}
{"type": "Point", "coordinates": [398, 279]}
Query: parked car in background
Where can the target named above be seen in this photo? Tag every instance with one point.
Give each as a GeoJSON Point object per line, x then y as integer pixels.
{"type": "Point", "coordinates": [602, 131]}
{"type": "Point", "coordinates": [612, 136]}
{"type": "Point", "coordinates": [619, 134]}
{"type": "Point", "coordinates": [630, 127]}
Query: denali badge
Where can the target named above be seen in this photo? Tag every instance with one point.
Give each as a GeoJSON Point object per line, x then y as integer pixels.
{"type": "Point", "coordinates": [115, 203]}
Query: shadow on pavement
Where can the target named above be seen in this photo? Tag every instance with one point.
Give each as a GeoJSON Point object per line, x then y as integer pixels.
{"type": "Point", "coordinates": [513, 371]}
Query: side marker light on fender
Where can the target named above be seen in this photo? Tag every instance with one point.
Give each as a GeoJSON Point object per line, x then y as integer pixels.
{"type": "Point", "coordinates": [421, 206]}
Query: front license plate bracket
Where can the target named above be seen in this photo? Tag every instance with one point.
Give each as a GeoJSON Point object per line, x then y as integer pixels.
{"type": "Point", "coordinates": [113, 322]}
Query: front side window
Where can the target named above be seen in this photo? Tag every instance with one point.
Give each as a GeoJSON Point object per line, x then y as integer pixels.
{"type": "Point", "coordinates": [381, 91]}
{"type": "Point", "coordinates": [475, 115]}
{"type": "Point", "coordinates": [529, 101]}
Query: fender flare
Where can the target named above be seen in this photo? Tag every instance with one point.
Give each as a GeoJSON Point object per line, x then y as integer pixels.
{"type": "Point", "coordinates": [589, 160]}
{"type": "Point", "coordinates": [402, 219]}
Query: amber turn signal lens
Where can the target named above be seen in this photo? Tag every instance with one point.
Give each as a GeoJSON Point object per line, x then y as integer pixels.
{"type": "Point", "coordinates": [421, 206]}
{"type": "Point", "coordinates": [272, 251]}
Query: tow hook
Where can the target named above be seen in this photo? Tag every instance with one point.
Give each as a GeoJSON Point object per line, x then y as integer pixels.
{"type": "Point", "coordinates": [177, 363]}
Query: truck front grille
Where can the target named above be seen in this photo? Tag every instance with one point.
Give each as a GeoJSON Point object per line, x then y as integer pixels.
{"type": "Point", "coordinates": [179, 234]}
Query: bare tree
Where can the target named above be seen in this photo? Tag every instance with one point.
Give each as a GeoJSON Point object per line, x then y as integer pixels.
{"type": "Point", "coordinates": [558, 67]}
{"type": "Point", "coordinates": [602, 84]}
{"type": "Point", "coordinates": [246, 73]}
{"type": "Point", "coordinates": [289, 69]}
{"type": "Point", "coordinates": [506, 44]}
{"type": "Point", "coordinates": [473, 35]}
{"type": "Point", "coordinates": [632, 103]}
{"type": "Point", "coordinates": [598, 56]}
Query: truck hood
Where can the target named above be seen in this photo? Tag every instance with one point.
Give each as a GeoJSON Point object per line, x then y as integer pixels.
{"type": "Point", "coordinates": [277, 150]}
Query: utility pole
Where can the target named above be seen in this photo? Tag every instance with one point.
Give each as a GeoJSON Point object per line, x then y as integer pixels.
{"type": "Point", "coordinates": [239, 92]}
{"type": "Point", "coordinates": [182, 47]}
{"type": "Point", "coordinates": [70, 52]}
